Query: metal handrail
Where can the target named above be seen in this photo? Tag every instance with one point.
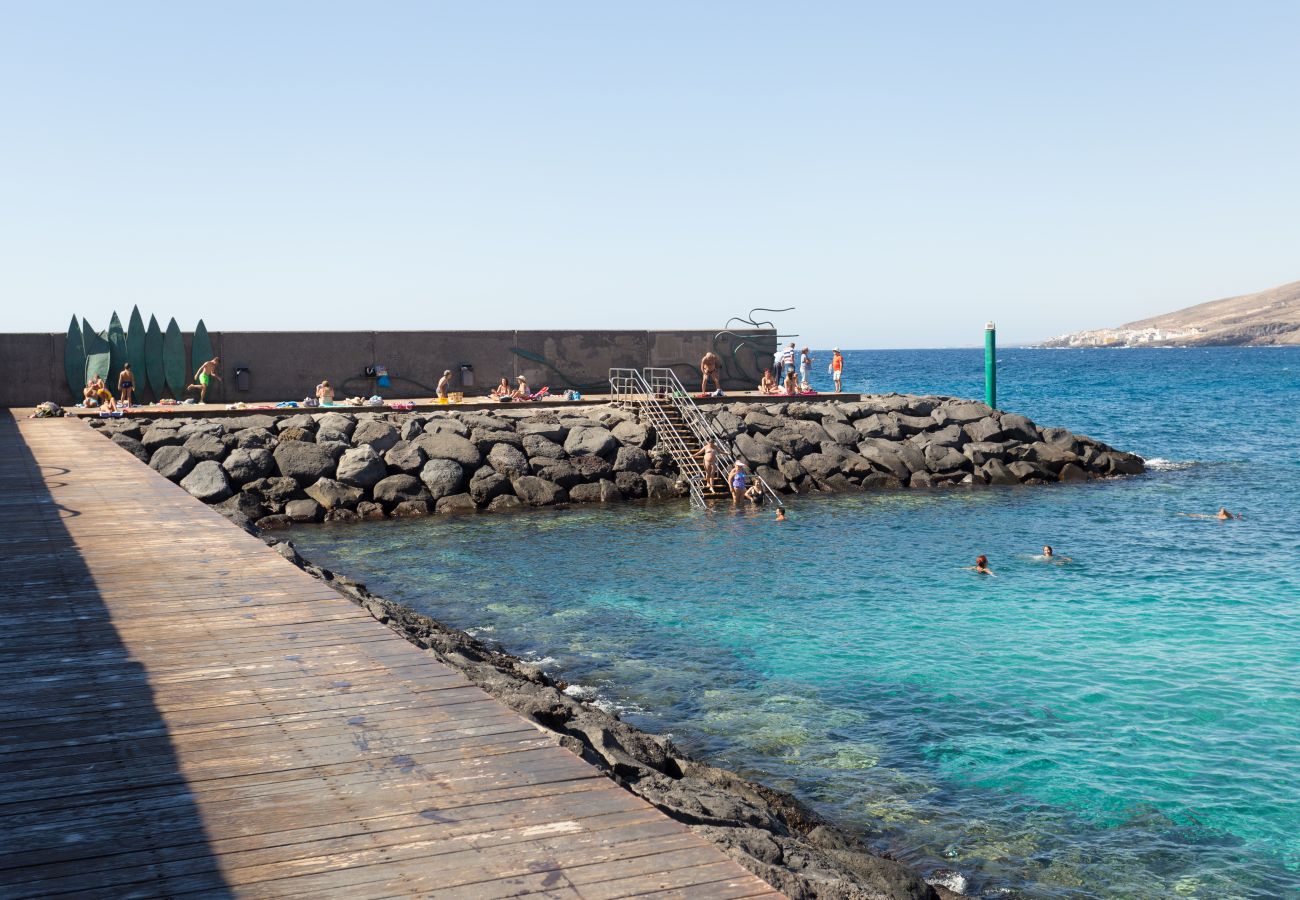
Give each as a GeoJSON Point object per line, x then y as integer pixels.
{"type": "Point", "coordinates": [629, 389]}
{"type": "Point", "coordinates": [665, 383]}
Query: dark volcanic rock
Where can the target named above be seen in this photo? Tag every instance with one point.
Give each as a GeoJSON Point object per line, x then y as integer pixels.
{"type": "Point", "coordinates": [245, 465]}
{"type": "Point", "coordinates": [249, 438]}
{"type": "Point", "coordinates": [447, 446]}
{"type": "Point", "coordinates": [304, 463]}
{"type": "Point", "coordinates": [375, 433]}
{"type": "Point", "coordinates": [508, 460]}
{"type": "Point", "coordinates": [505, 503]}
{"type": "Point", "coordinates": [411, 509]}
{"type": "Point", "coordinates": [158, 436]}
{"type": "Point", "coordinates": [631, 459]}
{"type": "Point", "coordinates": [274, 491]}
{"type": "Point", "coordinates": [487, 438]}
{"type": "Point", "coordinates": [405, 456]}
{"type": "Point", "coordinates": [207, 481]}
{"type": "Point", "coordinates": [487, 484]}
{"type": "Point", "coordinates": [331, 494]}
{"type": "Point", "coordinates": [370, 512]}
{"type": "Point", "coordinates": [604, 491]}
{"type": "Point", "coordinates": [399, 488]}
{"type": "Point", "coordinates": [342, 514]}
{"type": "Point", "coordinates": [442, 477]}
{"type": "Point", "coordinates": [132, 446]}
{"type": "Point", "coordinates": [297, 434]}
{"type": "Point", "coordinates": [537, 491]}
{"type": "Point", "coordinates": [172, 462]}
{"type": "Point", "coordinates": [334, 426]}
{"type": "Point", "coordinates": [591, 440]}
{"type": "Point", "coordinates": [304, 421]}
{"type": "Point", "coordinates": [561, 472]}
{"type": "Point", "coordinates": [204, 446]}
{"type": "Point", "coordinates": [756, 449]}
{"type": "Point", "coordinates": [551, 431]}
{"type": "Point", "coordinates": [361, 467]}
{"type": "Point", "coordinates": [456, 503]}
{"type": "Point", "coordinates": [634, 434]}
{"type": "Point", "coordinates": [591, 468]}
{"type": "Point", "coordinates": [274, 523]}
{"type": "Point", "coordinates": [536, 445]}
{"type": "Point", "coordinates": [304, 510]}
{"type": "Point", "coordinates": [630, 484]}
{"type": "Point", "coordinates": [243, 509]}
{"type": "Point", "coordinates": [657, 487]}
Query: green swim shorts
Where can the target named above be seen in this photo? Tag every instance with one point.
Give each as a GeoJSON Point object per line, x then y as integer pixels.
{"type": "Point", "coordinates": [204, 378]}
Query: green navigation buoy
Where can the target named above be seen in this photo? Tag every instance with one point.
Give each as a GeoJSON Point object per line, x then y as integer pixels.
{"type": "Point", "coordinates": [991, 365]}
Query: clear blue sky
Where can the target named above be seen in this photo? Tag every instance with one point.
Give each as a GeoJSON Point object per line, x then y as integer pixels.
{"type": "Point", "coordinates": [898, 172]}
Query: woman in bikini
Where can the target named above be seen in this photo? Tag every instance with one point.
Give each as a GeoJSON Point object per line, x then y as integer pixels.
{"type": "Point", "coordinates": [768, 384]}
{"type": "Point", "coordinates": [501, 390]}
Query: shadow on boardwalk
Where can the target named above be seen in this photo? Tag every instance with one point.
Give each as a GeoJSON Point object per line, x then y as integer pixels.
{"type": "Point", "coordinates": [92, 800]}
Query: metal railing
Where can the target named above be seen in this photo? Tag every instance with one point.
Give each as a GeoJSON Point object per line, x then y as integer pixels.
{"type": "Point", "coordinates": [630, 391]}
{"type": "Point", "coordinates": [667, 387]}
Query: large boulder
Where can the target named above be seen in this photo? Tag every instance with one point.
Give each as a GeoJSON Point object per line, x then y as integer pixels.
{"type": "Point", "coordinates": [303, 510]}
{"type": "Point", "coordinates": [331, 494]}
{"type": "Point", "coordinates": [487, 484]}
{"type": "Point", "coordinates": [603, 491]}
{"type": "Point", "coordinates": [205, 446]}
{"type": "Point", "coordinates": [1018, 428]}
{"type": "Point", "coordinates": [456, 503]}
{"type": "Point", "coordinates": [960, 412]}
{"type": "Point", "coordinates": [159, 436]}
{"type": "Point", "coordinates": [370, 511]}
{"type": "Point", "coordinates": [630, 484]}
{"type": "Point", "coordinates": [361, 467]}
{"type": "Point", "coordinates": [995, 471]}
{"type": "Point", "coordinates": [375, 433]}
{"type": "Point", "coordinates": [405, 456]}
{"type": "Point", "coordinates": [593, 440]}
{"type": "Point", "coordinates": [728, 422]}
{"type": "Point", "coordinates": [1049, 455]}
{"type": "Point", "coordinates": [445, 445]}
{"type": "Point", "coordinates": [879, 426]}
{"type": "Point", "coordinates": [840, 432]}
{"type": "Point", "coordinates": [508, 459]}
{"type": "Point", "coordinates": [657, 487]}
{"type": "Point", "coordinates": [631, 459]}
{"type": "Point", "coordinates": [445, 425]}
{"type": "Point", "coordinates": [304, 463]}
{"type": "Point", "coordinates": [245, 465]}
{"type": "Point", "coordinates": [172, 462]}
{"type": "Point", "coordinates": [756, 448]}
{"type": "Point", "coordinates": [242, 509]}
{"type": "Point", "coordinates": [551, 431]}
{"type": "Point", "coordinates": [758, 420]}
{"type": "Point", "coordinates": [442, 477]}
{"type": "Point", "coordinates": [885, 457]}
{"type": "Point", "coordinates": [940, 458]}
{"type": "Point", "coordinates": [248, 438]}
{"type": "Point", "coordinates": [505, 503]}
{"type": "Point", "coordinates": [561, 472]}
{"type": "Point", "coordinates": [487, 438]}
{"type": "Point", "coordinates": [398, 489]}
{"type": "Point", "coordinates": [591, 468]}
{"type": "Point", "coordinates": [793, 442]}
{"type": "Point", "coordinates": [536, 445]}
{"type": "Point", "coordinates": [410, 509]}
{"type": "Point", "coordinates": [334, 426]}
{"type": "Point", "coordinates": [274, 492]}
{"type": "Point", "coordinates": [411, 428]}
{"type": "Point", "coordinates": [203, 426]}
{"type": "Point", "coordinates": [634, 434]}
{"type": "Point", "coordinates": [305, 421]}
{"type": "Point", "coordinates": [132, 446]}
{"type": "Point", "coordinates": [1027, 471]}
{"type": "Point", "coordinates": [538, 491]}
{"type": "Point", "coordinates": [980, 452]}
{"type": "Point", "coordinates": [208, 482]}
{"type": "Point", "coordinates": [295, 433]}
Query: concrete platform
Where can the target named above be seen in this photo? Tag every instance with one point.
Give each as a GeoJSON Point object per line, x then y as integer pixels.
{"type": "Point", "coordinates": [184, 713]}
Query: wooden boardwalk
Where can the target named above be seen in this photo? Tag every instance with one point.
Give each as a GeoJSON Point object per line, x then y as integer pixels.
{"type": "Point", "coordinates": [184, 713]}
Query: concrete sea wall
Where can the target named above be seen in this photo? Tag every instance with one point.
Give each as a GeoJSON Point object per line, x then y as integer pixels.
{"type": "Point", "coordinates": [333, 466]}
{"type": "Point", "coordinates": [285, 365]}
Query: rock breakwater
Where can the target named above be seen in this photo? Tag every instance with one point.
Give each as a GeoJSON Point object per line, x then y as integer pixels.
{"type": "Point", "coordinates": [338, 466]}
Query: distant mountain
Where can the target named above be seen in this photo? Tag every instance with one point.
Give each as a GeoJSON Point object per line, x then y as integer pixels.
{"type": "Point", "coordinates": [1268, 317]}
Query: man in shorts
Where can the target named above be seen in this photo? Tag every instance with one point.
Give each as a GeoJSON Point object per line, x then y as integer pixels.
{"type": "Point", "coordinates": [710, 370]}
{"type": "Point", "coordinates": [837, 368]}
{"type": "Point", "coordinates": [203, 377]}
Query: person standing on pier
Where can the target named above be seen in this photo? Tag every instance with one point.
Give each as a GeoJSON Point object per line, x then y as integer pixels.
{"type": "Point", "coordinates": [710, 367]}
{"type": "Point", "coordinates": [203, 377]}
{"type": "Point", "coordinates": [837, 369]}
{"type": "Point", "coordinates": [805, 370]}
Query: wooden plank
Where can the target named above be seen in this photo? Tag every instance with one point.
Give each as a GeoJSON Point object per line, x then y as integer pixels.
{"type": "Point", "coordinates": [185, 713]}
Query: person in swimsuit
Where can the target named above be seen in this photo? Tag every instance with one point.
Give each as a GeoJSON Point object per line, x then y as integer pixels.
{"type": "Point", "coordinates": [126, 385]}
{"type": "Point", "coordinates": [1222, 515]}
{"type": "Point", "coordinates": [737, 481]}
{"type": "Point", "coordinates": [203, 377]}
{"type": "Point", "coordinates": [768, 384]}
{"type": "Point", "coordinates": [780, 513]}
{"type": "Point", "coordinates": [325, 393]}
{"type": "Point", "coordinates": [502, 389]}
{"type": "Point", "coordinates": [981, 566]}
{"type": "Point", "coordinates": [710, 369]}
{"type": "Point", "coordinates": [443, 383]}
{"type": "Point", "coordinates": [791, 383]}
{"type": "Point", "coordinates": [708, 455]}
{"type": "Point", "coordinates": [521, 391]}
{"type": "Point", "coordinates": [754, 493]}
{"type": "Point", "coordinates": [100, 394]}
{"type": "Point", "coordinates": [1049, 555]}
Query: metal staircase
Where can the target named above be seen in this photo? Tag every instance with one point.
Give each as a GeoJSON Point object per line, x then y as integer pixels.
{"type": "Point", "coordinates": [662, 401]}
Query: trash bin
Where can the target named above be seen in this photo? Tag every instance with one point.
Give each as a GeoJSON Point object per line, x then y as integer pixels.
{"type": "Point", "coordinates": [243, 379]}
{"type": "Point", "coordinates": [466, 375]}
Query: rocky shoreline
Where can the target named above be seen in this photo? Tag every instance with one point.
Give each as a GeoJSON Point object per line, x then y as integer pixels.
{"type": "Point", "coordinates": [348, 466]}
{"type": "Point", "coordinates": [266, 473]}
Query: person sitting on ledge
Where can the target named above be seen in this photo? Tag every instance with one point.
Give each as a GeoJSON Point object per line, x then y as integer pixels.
{"type": "Point", "coordinates": [521, 391]}
{"type": "Point", "coordinates": [97, 394]}
{"type": "Point", "coordinates": [791, 383]}
{"type": "Point", "coordinates": [501, 390]}
{"type": "Point", "coordinates": [768, 384]}
{"type": "Point", "coordinates": [325, 393]}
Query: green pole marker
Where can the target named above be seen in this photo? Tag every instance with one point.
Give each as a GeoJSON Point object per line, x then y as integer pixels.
{"type": "Point", "coordinates": [991, 365]}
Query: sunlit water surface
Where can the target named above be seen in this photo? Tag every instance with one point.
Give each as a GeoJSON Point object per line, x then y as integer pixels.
{"type": "Point", "coordinates": [1123, 725]}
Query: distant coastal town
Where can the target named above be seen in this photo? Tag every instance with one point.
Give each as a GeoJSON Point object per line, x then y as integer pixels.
{"type": "Point", "coordinates": [1126, 337]}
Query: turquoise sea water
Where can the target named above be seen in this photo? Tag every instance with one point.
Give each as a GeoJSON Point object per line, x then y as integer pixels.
{"type": "Point", "coordinates": [1124, 725]}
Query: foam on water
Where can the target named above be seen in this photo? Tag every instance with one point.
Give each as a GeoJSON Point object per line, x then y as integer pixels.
{"type": "Point", "coordinates": [1126, 725]}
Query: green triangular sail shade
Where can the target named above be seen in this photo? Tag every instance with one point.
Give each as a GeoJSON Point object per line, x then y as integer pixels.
{"type": "Point", "coordinates": [98, 353]}
{"type": "Point", "coordinates": [74, 360]}
{"type": "Point", "coordinates": [175, 365]}
{"type": "Point", "coordinates": [135, 351]}
{"type": "Point", "coordinates": [153, 359]}
{"type": "Point", "coordinates": [200, 346]}
{"type": "Point", "coordinates": [117, 350]}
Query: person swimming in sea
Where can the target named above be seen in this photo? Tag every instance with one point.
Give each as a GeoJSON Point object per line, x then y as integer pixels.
{"type": "Point", "coordinates": [1222, 515]}
{"type": "Point", "coordinates": [780, 513]}
{"type": "Point", "coordinates": [982, 566]}
{"type": "Point", "coordinates": [1049, 555]}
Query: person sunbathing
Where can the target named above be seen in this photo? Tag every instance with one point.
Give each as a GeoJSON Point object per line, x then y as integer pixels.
{"type": "Point", "coordinates": [501, 390]}
{"type": "Point", "coordinates": [791, 384]}
{"type": "Point", "coordinates": [521, 391]}
{"type": "Point", "coordinates": [768, 384]}
{"type": "Point", "coordinates": [325, 393]}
